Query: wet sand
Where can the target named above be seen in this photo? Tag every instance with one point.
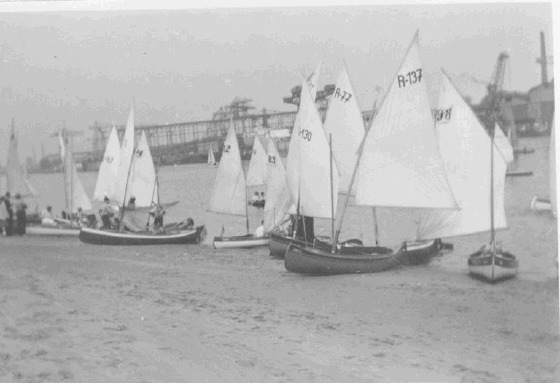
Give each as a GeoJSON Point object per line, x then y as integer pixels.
{"type": "Point", "coordinates": [81, 313]}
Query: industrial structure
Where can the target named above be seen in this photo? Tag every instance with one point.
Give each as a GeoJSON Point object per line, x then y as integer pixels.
{"type": "Point", "coordinates": [528, 113]}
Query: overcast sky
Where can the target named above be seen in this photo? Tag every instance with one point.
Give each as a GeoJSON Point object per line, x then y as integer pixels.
{"type": "Point", "coordinates": [87, 65]}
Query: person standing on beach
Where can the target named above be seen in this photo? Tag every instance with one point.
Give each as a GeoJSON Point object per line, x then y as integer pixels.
{"type": "Point", "coordinates": [3, 215]}
{"type": "Point", "coordinates": [10, 220]}
{"type": "Point", "coordinates": [106, 212]}
{"type": "Point", "coordinates": [20, 206]}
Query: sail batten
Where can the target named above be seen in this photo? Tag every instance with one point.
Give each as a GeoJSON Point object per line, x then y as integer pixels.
{"type": "Point", "coordinates": [465, 148]}
{"type": "Point", "coordinates": [229, 191]}
{"type": "Point", "coordinates": [401, 164]}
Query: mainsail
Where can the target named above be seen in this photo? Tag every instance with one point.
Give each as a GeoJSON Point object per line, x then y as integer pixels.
{"type": "Point", "coordinates": [74, 194]}
{"type": "Point", "coordinates": [344, 121]}
{"type": "Point", "coordinates": [211, 158]}
{"type": "Point", "coordinates": [142, 178]}
{"type": "Point", "coordinates": [502, 144]}
{"type": "Point", "coordinates": [229, 193]}
{"type": "Point", "coordinates": [127, 150]}
{"type": "Point", "coordinates": [308, 165]}
{"type": "Point", "coordinates": [108, 170]}
{"type": "Point", "coordinates": [256, 175]}
{"type": "Point", "coordinates": [401, 165]}
{"type": "Point", "coordinates": [16, 181]}
{"type": "Point", "coordinates": [313, 80]}
{"type": "Point", "coordinates": [277, 193]}
{"type": "Point", "coordinates": [466, 151]}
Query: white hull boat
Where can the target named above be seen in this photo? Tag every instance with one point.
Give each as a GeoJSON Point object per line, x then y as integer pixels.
{"type": "Point", "coordinates": [240, 242]}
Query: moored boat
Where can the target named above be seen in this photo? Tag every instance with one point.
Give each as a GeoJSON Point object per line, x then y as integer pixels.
{"type": "Point", "coordinates": [111, 237]}
{"type": "Point", "coordinates": [241, 241]}
{"type": "Point", "coordinates": [492, 265]}
{"type": "Point", "coordinates": [315, 261]}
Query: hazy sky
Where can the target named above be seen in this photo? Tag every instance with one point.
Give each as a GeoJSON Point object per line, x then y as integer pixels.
{"type": "Point", "coordinates": [182, 65]}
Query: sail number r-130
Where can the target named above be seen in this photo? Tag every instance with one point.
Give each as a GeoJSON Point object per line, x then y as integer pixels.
{"type": "Point", "coordinates": [410, 78]}
{"type": "Point", "coordinates": [305, 134]}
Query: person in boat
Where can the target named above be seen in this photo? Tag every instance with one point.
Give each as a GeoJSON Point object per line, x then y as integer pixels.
{"type": "Point", "coordinates": [106, 212]}
{"type": "Point", "coordinates": [190, 224]}
{"type": "Point", "coordinates": [10, 220]}
{"type": "Point", "coordinates": [255, 200]}
{"type": "Point", "coordinates": [47, 217]}
{"type": "Point", "coordinates": [131, 203]}
{"type": "Point", "coordinates": [157, 212]}
{"type": "Point", "coordinates": [19, 207]}
{"type": "Point", "coordinates": [259, 233]}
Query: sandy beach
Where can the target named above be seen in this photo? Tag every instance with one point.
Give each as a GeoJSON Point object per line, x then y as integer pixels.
{"type": "Point", "coordinates": [80, 313]}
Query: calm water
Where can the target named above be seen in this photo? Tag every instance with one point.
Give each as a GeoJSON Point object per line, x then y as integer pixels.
{"type": "Point", "coordinates": [531, 236]}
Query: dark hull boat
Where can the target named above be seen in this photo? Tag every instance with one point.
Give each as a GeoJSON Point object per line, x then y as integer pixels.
{"type": "Point", "coordinates": [241, 241]}
{"type": "Point", "coordinates": [111, 237]}
{"type": "Point", "coordinates": [492, 265]}
{"type": "Point", "coordinates": [316, 261]}
{"type": "Point", "coordinates": [279, 244]}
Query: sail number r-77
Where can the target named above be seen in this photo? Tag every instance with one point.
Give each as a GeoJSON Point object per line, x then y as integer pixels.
{"type": "Point", "coordinates": [410, 78]}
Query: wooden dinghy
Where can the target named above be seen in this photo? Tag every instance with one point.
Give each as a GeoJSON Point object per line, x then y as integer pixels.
{"type": "Point", "coordinates": [279, 244]}
{"type": "Point", "coordinates": [241, 241]}
{"type": "Point", "coordinates": [111, 237]}
{"type": "Point", "coordinates": [54, 231]}
{"type": "Point", "coordinates": [315, 261]}
{"type": "Point", "coordinates": [492, 265]}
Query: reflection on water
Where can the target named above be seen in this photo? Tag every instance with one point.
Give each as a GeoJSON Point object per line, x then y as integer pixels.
{"type": "Point", "coordinates": [532, 237]}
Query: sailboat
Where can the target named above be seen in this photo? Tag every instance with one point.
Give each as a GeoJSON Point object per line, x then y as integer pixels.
{"type": "Point", "coordinates": [74, 197]}
{"type": "Point", "coordinates": [541, 204]}
{"type": "Point", "coordinates": [229, 195]}
{"type": "Point", "coordinates": [476, 165]}
{"type": "Point", "coordinates": [16, 180]}
{"type": "Point", "coordinates": [211, 158]}
{"type": "Point", "coordinates": [140, 182]}
{"type": "Point", "coordinates": [398, 165]}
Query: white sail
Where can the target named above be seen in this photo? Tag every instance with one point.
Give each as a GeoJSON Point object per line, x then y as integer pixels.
{"type": "Point", "coordinates": [108, 170]}
{"type": "Point", "coordinates": [401, 165]}
{"type": "Point", "coordinates": [75, 195]}
{"type": "Point", "coordinates": [344, 121]}
{"type": "Point", "coordinates": [465, 148]}
{"type": "Point", "coordinates": [278, 198]}
{"type": "Point", "coordinates": [142, 178]}
{"type": "Point", "coordinates": [229, 193]}
{"type": "Point", "coordinates": [16, 181]}
{"type": "Point", "coordinates": [127, 149]}
{"type": "Point", "coordinates": [211, 158]}
{"type": "Point", "coordinates": [503, 144]}
{"type": "Point", "coordinates": [313, 81]}
{"type": "Point", "coordinates": [308, 168]}
{"type": "Point", "coordinates": [256, 175]}
{"type": "Point", "coordinates": [552, 169]}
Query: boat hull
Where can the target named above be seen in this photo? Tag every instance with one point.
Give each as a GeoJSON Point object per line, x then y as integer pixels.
{"type": "Point", "coordinates": [240, 242]}
{"type": "Point", "coordinates": [279, 244]}
{"type": "Point", "coordinates": [315, 261]}
{"type": "Point", "coordinates": [422, 252]}
{"type": "Point", "coordinates": [109, 237]}
{"type": "Point", "coordinates": [519, 173]}
{"type": "Point", "coordinates": [492, 266]}
{"type": "Point", "coordinates": [55, 231]}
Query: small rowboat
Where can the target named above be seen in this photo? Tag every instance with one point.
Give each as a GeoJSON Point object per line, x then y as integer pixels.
{"type": "Point", "coordinates": [241, 241]}
{"type": "Point", "coordinates": [111, 237]}
{"type": "Point", "coordinates": [538, 204]}
{"type": "Point", "coordinates": [492, 266]}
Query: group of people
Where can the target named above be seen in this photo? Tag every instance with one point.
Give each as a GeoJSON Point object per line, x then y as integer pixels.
{"type": "Point", "coordinates": [258, 200]}
{"type": "Point", "coordinates": [78, 217]}
{"type": "Point", "coordinates": [7, 210]}
{"type": "Point", "coordinates": [111, 221]}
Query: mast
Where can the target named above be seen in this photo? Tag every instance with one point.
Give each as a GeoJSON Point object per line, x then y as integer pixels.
{"type": "Point", "coordinates": [156, 186]}
{"type": "Point", "coordinates": [492, 230]}
{"type": "Point", "coordinates": [332, 195]}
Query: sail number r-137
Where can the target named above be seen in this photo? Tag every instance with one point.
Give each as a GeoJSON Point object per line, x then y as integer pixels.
{"type": "Point", "coordinates": [410, 78]}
